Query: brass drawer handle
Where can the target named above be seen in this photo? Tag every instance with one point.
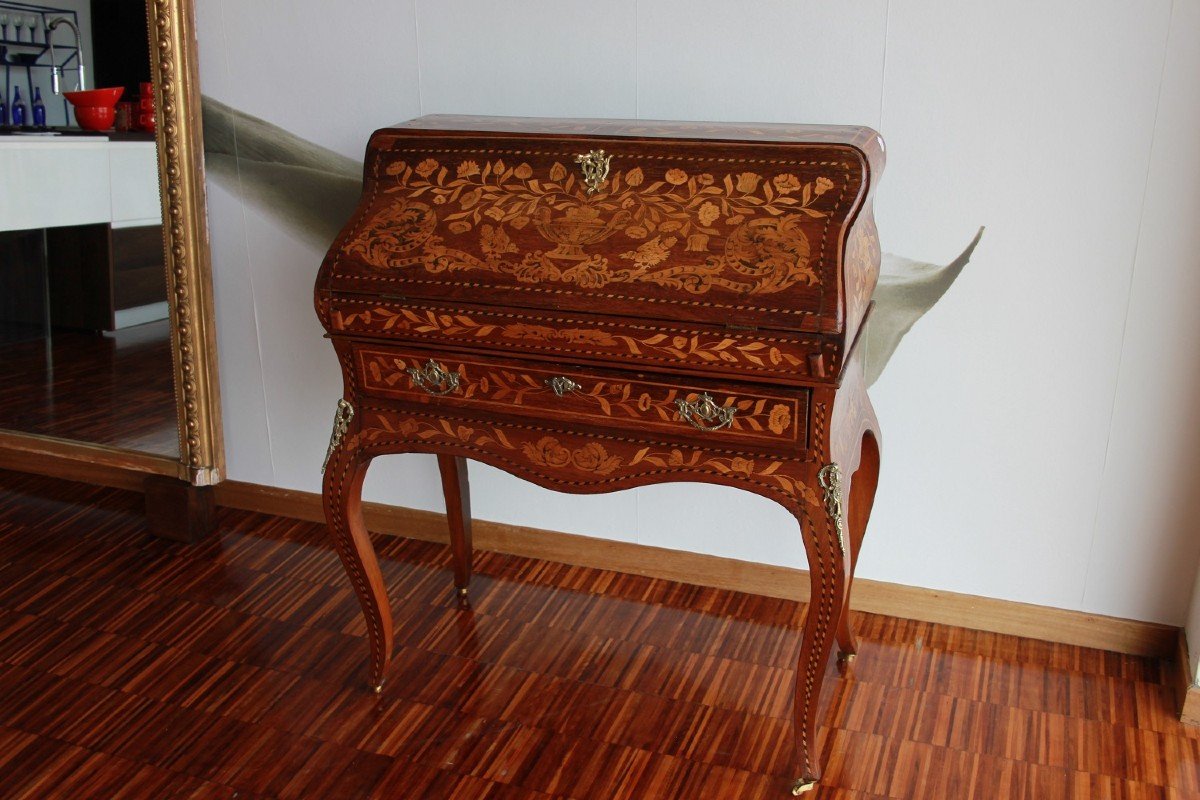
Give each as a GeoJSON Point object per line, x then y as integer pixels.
{"type": "Point", "coordinates": [703, 413]}
{"type": "Point", "coordinates": [562, 385]}
{"type": "Point", "coordinates": [433, 379]}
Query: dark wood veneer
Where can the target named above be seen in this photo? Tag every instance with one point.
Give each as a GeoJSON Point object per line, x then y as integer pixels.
{"type": "Point", "coordinates": [23, 301]}
{"type": "Point", "coordinates": [97, 270]}
{"type": "Point", "coordinates": [695, 300]}
{"type": "Point", "coordinates": [176, 509]}
{"type": "Point", "coordinates": [139, 277]}
{"type": "Point", "coordinates": [79, 259]}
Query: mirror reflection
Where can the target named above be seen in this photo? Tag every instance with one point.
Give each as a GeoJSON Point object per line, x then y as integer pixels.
{"type": "Point", "coordinates": [85, 348]}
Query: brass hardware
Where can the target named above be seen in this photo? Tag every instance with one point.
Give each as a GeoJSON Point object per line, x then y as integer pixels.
{"type": "Point", "coordinates": [830, 478]}
{"type": "Point", "coordinates": [463, 592]}
{"type": "Point", "coordinates": [846, 658]}
{"type": "Point", "coordinates": [803, 785]}
{"type": "Point", "coordinates": [561, 385]}
{"type": "Point", "coordinates": [377, 688]}
{"type": "Point", "coordinates": [341, 424]}
{"type": "Point", "coordinates": [433, 379]}
{"type": "Point", "coordinates": [594, 166]}
{"type": "Point", "coordinates": [702, 412]}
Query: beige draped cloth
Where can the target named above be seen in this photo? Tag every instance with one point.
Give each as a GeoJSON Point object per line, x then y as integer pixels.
{"type": "Point", "coordinates": [313, 191]}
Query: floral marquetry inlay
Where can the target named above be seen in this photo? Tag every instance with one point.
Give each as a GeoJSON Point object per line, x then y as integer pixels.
{"type": "Point", "coordinates": [760, 353]}
{"type": "Point", "coordinates": [743, 231]}
{"type": "Point", "coordinates": [541, 451]}
{"type": "Point", "coordinates": [485, 385]}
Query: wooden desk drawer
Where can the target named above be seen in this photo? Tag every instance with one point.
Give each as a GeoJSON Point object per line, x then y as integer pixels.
{"type": "Point", "coordinates": [570, 394]}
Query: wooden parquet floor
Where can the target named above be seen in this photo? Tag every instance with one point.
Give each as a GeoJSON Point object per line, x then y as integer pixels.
{"type": "Point", "coordinates": [114, 389]}
{"type": "Point", "coordinates": [132, 667]}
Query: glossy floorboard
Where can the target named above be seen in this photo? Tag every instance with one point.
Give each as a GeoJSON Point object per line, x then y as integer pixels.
{"type": "Point", "coordinates": [136, 668]}
{"type": "Point", "coordinates": [114, 389]}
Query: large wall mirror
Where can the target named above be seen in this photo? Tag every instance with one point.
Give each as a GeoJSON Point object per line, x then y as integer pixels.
{"type": "Point", "coordinates": [107, 351]}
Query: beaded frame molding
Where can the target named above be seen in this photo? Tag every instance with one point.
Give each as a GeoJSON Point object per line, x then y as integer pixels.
{"type": "Point", "coordinates": [173, 51]}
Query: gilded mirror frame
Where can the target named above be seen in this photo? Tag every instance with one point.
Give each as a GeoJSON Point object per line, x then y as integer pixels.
{"type": "Point", "coordinates": [201, 462]}
{"type": "Point", "coordinates": [173, 51]}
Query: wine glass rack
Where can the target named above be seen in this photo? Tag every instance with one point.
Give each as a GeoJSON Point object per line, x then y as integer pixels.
{"type": "Point", "coordinates": [23, 48]}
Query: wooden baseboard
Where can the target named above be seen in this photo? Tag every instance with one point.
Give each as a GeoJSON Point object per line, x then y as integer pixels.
{"type": "Point", "coordinates": [1187, 690]}
{"type": "Point", "coordinates": [128, 470]}
{"type": "Point", "coordinates": [909, 602]}
{"type": "Point", "coordinates": [79, 461]}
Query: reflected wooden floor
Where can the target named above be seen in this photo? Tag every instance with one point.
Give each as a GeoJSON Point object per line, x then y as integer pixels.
{"type": "Point", "coordinates": [114, 389]}
{"type": "Point", "coordinates": [137, 668]}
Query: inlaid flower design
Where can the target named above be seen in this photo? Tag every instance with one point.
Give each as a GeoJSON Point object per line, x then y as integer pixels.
{"type": "Point", "coordinates": [694, 347]}
{"type": "Point", "coordinates": [780, 419]}
{"type": "Point", "coordinates": [550, 453]}
{"type": "Point", "coordinates": [741, 232]}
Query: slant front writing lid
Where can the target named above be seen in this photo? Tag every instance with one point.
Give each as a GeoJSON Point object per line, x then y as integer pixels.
{"type": "Point", "coordinates": [739, 232]}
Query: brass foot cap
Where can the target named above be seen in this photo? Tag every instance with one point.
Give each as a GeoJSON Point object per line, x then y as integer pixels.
{"type": "Point", "coordinates": [847, 657]}
{"type": "Point", "coordinates": [377, 688]}
{"type": "Point", "coordinates": [462, 592]}
{"type": "Point", "coordinates": [803, 785]}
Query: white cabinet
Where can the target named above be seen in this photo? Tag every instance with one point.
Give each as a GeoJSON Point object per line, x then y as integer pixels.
{"type": "Point", "coordinates": [55, 182]}
{"type": "Point", "coordinates": [133, 167]}
{"type": "Point", "coordinates": [49, 184]}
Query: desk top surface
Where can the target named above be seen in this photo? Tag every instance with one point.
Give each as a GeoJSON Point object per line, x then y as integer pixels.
{"type": "Point", "coordinates": [859, 136]}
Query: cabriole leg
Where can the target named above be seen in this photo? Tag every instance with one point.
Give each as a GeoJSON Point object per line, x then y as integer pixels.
{"type": "Point", "coordinates": [458, 514]}
{"type": "Point", "coordinates": [345, 469]}
{"type": "Point", "coordinates": [828, 570]}
{"type": "Point", "coordinates": [861, 499]}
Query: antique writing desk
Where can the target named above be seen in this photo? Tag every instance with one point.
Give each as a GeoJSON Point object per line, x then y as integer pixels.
{"type": "Point", "coordinates": [597, 305]}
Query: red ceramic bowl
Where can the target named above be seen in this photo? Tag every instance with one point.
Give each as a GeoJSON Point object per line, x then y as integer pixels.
{"type": "Point", "coordinates": [95, 109]}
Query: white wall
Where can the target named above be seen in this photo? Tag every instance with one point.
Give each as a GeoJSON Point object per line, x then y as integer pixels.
{"type": "Point", "coordinates": [1177, 160]}
{"type": "Point", "coordinates": [1037, 423]}
{"type": "Point", "coordinates": [1150, 492]}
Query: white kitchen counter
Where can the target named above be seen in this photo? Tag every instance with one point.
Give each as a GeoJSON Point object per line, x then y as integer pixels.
{"type": "Point", "coordinates": [53, 181]}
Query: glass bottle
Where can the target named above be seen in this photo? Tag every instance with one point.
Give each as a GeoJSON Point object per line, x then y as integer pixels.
{"type": "Point", "coordinates": [39, 108]}
{"type": "Point", "coordinates": [18, 108]}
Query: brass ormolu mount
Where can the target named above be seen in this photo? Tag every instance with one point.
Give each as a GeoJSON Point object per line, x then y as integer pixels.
{"type": "Point", "coordinates": [341, 424]}
{"type": "Point", "coordinates": [594, 166]}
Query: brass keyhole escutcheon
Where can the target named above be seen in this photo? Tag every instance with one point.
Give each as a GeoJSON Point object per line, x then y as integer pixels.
{"type": "Point", "coordinates": [562, 385]}
{"type": "Point", "coordinates": [434, 379]}
{"type": "Point", "coordinates": [594, 166]}
{"type": "Point", "coordinates": [704, 414]}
